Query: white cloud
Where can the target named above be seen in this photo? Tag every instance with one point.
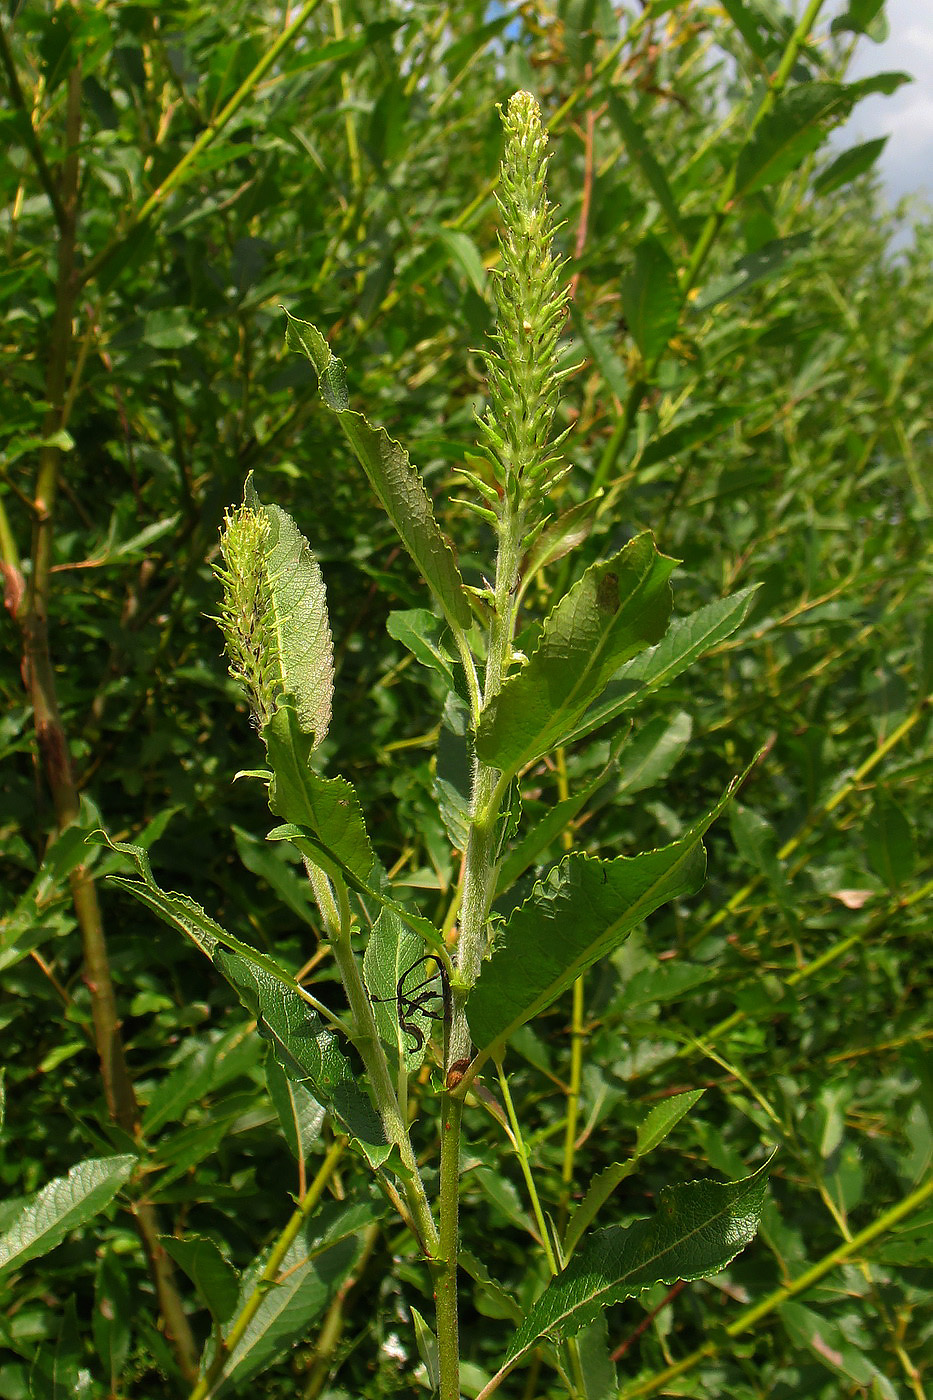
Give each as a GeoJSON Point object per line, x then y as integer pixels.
{"type": "Point", "coordinates": [906, 165]}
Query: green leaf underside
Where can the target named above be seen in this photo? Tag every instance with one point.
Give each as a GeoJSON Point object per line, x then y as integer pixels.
{"type": "Point", "coordinates": [420, 631]}
{"type": "Point", "coordinates": [306, 1050]}
{"type": "Point", "coordinates": [328, 807]}
{"type": "Point", "coordinates": [62, 1206]}
{"type": "Point", "coordinates": [686, 640]}
{"type": "Point", "coordinates": [391, 950]}
{"type": "Point", "coordinates": [392, 476]}
{"type": "Point", "coordinates": [299, 604]}
{"type": "Point", "coordinates": [581, 911]}
{"type": "Point", "coordinates": [698, 1228]}
{"type": "Point", "coordinates": [616, 609]}
{"type": "Point", "coordinates": [300, 1115]}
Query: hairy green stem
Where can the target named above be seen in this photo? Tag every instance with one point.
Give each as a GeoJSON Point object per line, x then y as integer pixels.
{"type": "Point", "coordinates": [445, 1269]}
{"type": "Point", "coordinates": [336, 913]}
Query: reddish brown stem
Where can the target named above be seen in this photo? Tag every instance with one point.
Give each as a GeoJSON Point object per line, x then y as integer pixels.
{"type": "Point", "coordinates": [32, 611]}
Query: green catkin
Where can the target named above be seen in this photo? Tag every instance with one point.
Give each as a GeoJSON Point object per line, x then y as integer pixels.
{"type": "Point", "coordinates": [246, 611]}
{"type": "Point", "coordinates": [521, 362]}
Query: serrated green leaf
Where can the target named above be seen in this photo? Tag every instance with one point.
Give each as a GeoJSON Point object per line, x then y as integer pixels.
{"type": "Point", "coordinates": [62, 1206]}
{"type": "Point", "coordinates": [579, 913]}
{"type": "Point", "coordinates": [698, 1228]}
{"type": "Point", "coordinates": [615, 610]}
{"type": "Point", "coordinates": [651, 298]}
{"type": "Point", "coordinates": [686, 640]}
{"type": "Point", "coordinates": [393, 478]}
{"type": "Point", "coordinates": [392, 949]}
{"type": "Point", "coordinates": [214, 1278]}
{"type": "Point", "coordinates": [655, 1126]}
{"type": "Point", "coordinates": [326, 806]}
{"type": "Point", "coordinates": [652, 1131]}
{"type": "Point", "coordinates": [796, 125]}
{"type": "Point", "coordinates": [298, 619]}
{"type": "Point", "coordinates": [307, 1051]}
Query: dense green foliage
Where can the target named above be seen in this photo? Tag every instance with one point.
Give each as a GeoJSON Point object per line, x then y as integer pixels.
{"type": "Point", "coordinates": [753, 387]}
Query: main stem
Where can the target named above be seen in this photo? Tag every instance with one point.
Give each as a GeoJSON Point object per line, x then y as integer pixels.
{"type": "Point", "coordinates": [336, 916]}
{"type": "Point", "coordinates": [445, 1271]}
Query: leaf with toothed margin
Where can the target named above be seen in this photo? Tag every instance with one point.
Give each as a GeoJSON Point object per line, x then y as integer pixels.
{"type": "Point", "coordinates": [306, 1049]}
{"type": "Point", "coordinates": [391, 474]}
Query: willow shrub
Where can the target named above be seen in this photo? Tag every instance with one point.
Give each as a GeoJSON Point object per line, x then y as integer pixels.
{"type": "Point", "coordinates": [479, 976]}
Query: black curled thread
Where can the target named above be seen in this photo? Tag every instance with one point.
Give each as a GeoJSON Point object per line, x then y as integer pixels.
{"type": "Point", "coordinates": [410, 1000]}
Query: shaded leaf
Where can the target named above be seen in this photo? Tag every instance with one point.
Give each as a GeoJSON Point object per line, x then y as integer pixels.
{"type": "Point", "coordinates": [559, 537]}
{"type": "Point", "coordinates": [639, 148]}
{"type": "Point", "coordinates": [299, 1112]}
{"type": "Point", "coordinates": [214, 1278]}
{"type": "Point", "coordinates": [654, 751]}
{"type": "Point", "coordinates": [651, 299]}
{"type": "Point", "coordinates": [306, 1050]}
{"type": "Point", "coordinates": [848, 165]}
{"type": "Point", "coordinates": [56, 1372]}
{"type": "Point", "coordinates": [314, 1267]}
{"type": "Point", "coordinates": [698, 428]}
{"type": "Point", "coordinates": [889, 841]}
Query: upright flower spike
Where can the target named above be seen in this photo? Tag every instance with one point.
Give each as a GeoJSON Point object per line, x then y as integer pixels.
{"type": "Point", "coordinates": [523, 379]}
